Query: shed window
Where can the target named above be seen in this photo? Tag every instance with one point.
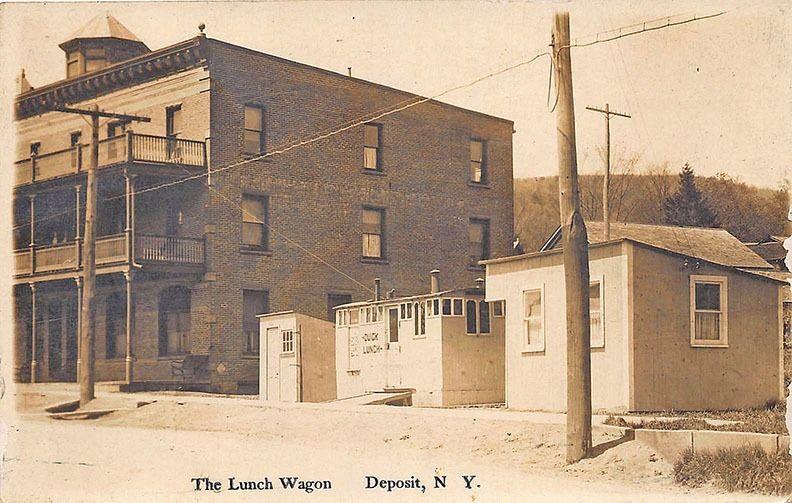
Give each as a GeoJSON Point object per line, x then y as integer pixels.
{"type": "Point", "coordinates": [287, 342]}
{"type": "Point", "coordinates": [484, 317]}
{"type": "Point", "coordinates": [708, 309]}
{"type": "Point", "coordinates": [470, 321]}
{"type": "Point", "coordinates": [597, 320]}
{"type": "Point", "coordinates": [446, 307]}
{"type": "Point", "coordinates": [533, 321]}
{"type": "Point", "coordinates": [457, 307]}
{"type": "Point", "coordinates": [498, 308]}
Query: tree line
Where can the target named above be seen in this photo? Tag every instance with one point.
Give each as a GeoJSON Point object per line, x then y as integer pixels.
{"type": "Point", "coordinates": [655, 196]}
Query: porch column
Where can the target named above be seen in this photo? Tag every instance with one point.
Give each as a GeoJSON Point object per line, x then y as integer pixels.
{"type": "Point", "coordinates": [32, 244]}
{"type": "Point", "coordinates": [130, 325]}
{"type": "Point", "coordinates": [33, 363]}
{"type": "Point", "coordinates": [129, 230]}
{"type": "Point", "coordinates": [77, 237]}
{"type": "Point", "coordinates": [79, 282]}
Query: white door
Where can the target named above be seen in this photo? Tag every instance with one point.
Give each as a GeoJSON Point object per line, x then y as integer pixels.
{"type": "Point", "coordinates": [394, 379]}
{"type": "Point", "coordinates": [273, 363]}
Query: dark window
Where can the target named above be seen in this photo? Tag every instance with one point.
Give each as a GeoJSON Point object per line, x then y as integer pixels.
{"type": "Point", "coordinates": [372, 230]}
{"type": "Point", "coordinates": [115, 129]}
{"type": "Point", "coordinates": [254, 302]}
{"type": "Point", "coordinates": [484, 317]}
{"type": "Point", "coordinates": [74, 141]}
{"type": "Point", "coordinates": [478, 164]}
{"type": "Point", "coordinates": [35, 147]}
{"type": "Point", "coordinates": [173, 121]}
{"type": "Point", "coordinates": [115, 325]}
{"type": "Point", "coordinates": [174, 321]}
{"type": "Point", "coordinates": [254, 130]}
{"type": "Point", "coordinates": [371, 146]}
{"type": "Point", "coordinates": [446, 307]}
{"type": "Point", "coordinates": [478, 234]}
{"type": "Point", "coordinates": [497, 308]}
{"type": "Point", "coordinates": [254, 221]}
{"type": "Point", "coordinates": [470, 308]}
{"type": "Point", "coordinates": [336, 299]}
{"type": "Point", "coordinates": [457, 307]}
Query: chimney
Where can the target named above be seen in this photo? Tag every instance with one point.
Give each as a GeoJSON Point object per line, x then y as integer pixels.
{"type": "Point", "coordinates": [22, 84]}
{"type": "Point", "coordinates": [479, 283]}
{"type": "Point", "coordinates": [377, 290]}
{"type": "Point", "coordinates": [435, 281]}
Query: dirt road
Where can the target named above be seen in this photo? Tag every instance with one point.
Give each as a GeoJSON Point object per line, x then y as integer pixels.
{"type": "Point", "coordinates": [153, 454]}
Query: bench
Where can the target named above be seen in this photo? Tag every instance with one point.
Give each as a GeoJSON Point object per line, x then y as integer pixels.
{"type": "Point", "coordinates": [191, 366]}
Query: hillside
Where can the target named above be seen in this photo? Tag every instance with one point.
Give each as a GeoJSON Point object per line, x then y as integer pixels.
{"type": "Point", "coordinates": [748, 212]}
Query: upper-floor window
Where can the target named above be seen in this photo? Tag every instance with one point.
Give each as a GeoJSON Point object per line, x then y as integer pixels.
{"type": "Point", "coordinates": [478, 234]}
{"type": "Point", "coordinates": [478, 162]}
{"type": "Point", "coordinates": [708, 311]}
{"type": "Point", "coordinates": [254, 129]}
{"type": "Point", "coordinates": [371, 146]}
{"type": "Point", "coordinates": [35, 148]}
{"type": "Point", "coordinates": [254, 221]}
{"type": "Point", "coordinates": [95, 59]}
{"type": "Point", "coordinates": [372, 229]}
{"type": "Point", "coordinates": [173, 121]}
{"type": "Point", "coordinates": [72, 64]}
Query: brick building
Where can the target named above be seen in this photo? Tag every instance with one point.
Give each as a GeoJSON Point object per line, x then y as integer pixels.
{"type": "Point", "coordinates": [182, 269]}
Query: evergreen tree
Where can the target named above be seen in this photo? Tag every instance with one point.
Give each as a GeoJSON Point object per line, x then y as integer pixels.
{"type": "Point", "coordinates": [687, 206]}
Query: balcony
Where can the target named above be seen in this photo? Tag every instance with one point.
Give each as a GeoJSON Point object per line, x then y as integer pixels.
{"type": "Point", "coordinates": [111, 250]}
{"type": "Point", "coordinates": [131, 147]}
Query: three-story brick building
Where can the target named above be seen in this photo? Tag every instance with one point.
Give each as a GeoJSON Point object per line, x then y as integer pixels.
{"type": "Point", "coordinates": [198, 233]}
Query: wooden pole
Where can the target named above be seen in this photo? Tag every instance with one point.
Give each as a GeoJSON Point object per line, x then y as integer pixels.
{"type": "Point", "coordinates": [88, 320]}
{"type": "Point", "coordinates": [575, 245]}
{"type": "Point", "coordinates": [606, 180]}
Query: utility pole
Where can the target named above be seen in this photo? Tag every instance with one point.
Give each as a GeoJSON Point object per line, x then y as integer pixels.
{"type": "Point", "coordinates": [88, 315]}
{"type": "Point", "coordinates": [606, 179]}
{"type": "Point", "coordinates": [575, 245]}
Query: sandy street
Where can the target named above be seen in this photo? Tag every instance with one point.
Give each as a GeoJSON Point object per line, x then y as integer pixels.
{"type": "Point", "coordinates": [111, 458]}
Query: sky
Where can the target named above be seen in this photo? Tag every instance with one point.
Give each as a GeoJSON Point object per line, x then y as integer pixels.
{"type": "Point", "coordinates": [715, 93]}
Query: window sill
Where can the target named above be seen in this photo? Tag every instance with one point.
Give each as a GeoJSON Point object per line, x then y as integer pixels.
{"type": "Point", "coordinates": [353, 371]}
{"type": "Point", "coordinates": [694, 345]}
{"type": "Point", "coordinates": [418, 337]}
{"type": "Point", "coordinates": [532, 351]}
{"type": "Point", "coordinates": [248, 156]}
{"type": "Point", "coordinates": [173, 357]}
{"type": "Point", "coordinates": [373, 260]}
{"type": "Point", "coordinates": [255, 251]}
{"type": "Point", "coordinates": [373, 172]}
{"type": "Point", "coordinates": [250, 356]}
{"type": "Point", "coordinates": [480, 185]}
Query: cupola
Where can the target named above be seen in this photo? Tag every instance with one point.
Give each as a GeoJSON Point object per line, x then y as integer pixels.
{"type": "Point", "coordinates": [102, 42]}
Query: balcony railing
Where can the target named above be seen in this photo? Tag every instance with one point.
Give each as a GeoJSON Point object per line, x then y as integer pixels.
{"type": "Point", "coordinates": [129, 147]}
{"type": "Point", "coordinates": [111, 250]}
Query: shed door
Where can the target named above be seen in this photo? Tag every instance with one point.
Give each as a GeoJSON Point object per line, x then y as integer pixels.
{"type": "Point", "coordinates": [394, 349]}
{"type": "Point", "coordinates": [273, 363]}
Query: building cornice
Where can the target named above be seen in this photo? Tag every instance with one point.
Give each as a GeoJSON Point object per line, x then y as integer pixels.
{"type": "Point", "coordinates": [156, 64]}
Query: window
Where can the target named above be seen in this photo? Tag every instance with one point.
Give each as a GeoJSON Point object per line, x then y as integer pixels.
{"type": "Point", "coordinates": [457, 307]}
{"type": "Point", "coordinates": [420, 318]}
{"type": "Point", "coordinates": [115, 326]}
{"type": "Point", "coordinates": [372, 224]}
{"type": "Point", "coordinates": [115, 128]}
{"type": "Point", "coordinates": [353, 316]}
{"type": "Point", "coordinates": [95, 59]}
{"type": "Point", "coordinates": [173, 128]}
{"type": "Point", "coordinates": [74, 141]}
{"type": "Point", "coordinates": [254, 130]}
{"type": "Point", "coordinates": [533, 321]}
{"type": "Point", "coordinates": [35, 147]}
{"type": "Point", "coordinates": [341, 318]}
{"type": "Point", "coordinates": [597, 320]}
{"type": "Point", "coordinates": [336, 299]}
{"type": "Point", "coordinates": [435, 307]}
{"type": "Point", "coordinates": [484, 317]}
{"type": "Point", "coordinates": [72, 64]}
{"type": "Point", "coordinates": [254, 302]}
{"type": "Point", "coordinates": [478, 241]}
{"type": "Point", "coordinates": [287, 339]}
{"type": "Point", "coordinates": [446, 307]}
{"type": "Point", "coordinates": [371, 146]}
{"type": "Point", "coordinates": [478, 165]}
{"type": "Point", "coordinates": [470, 310]}
{"type": "Point", "coordinates": [254, 221]}
{"type": "Point", "coordinates": [708, 311]}
{"type": "Point", "coordinates": [174, 321]}
{"type": "Point", "coordinates": [498, 308]}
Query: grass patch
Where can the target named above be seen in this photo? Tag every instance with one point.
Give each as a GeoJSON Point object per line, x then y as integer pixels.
{"type": "Point", "coordinates": [747, 469]}
{"type": "Point", "coordinates": [770, 419]}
